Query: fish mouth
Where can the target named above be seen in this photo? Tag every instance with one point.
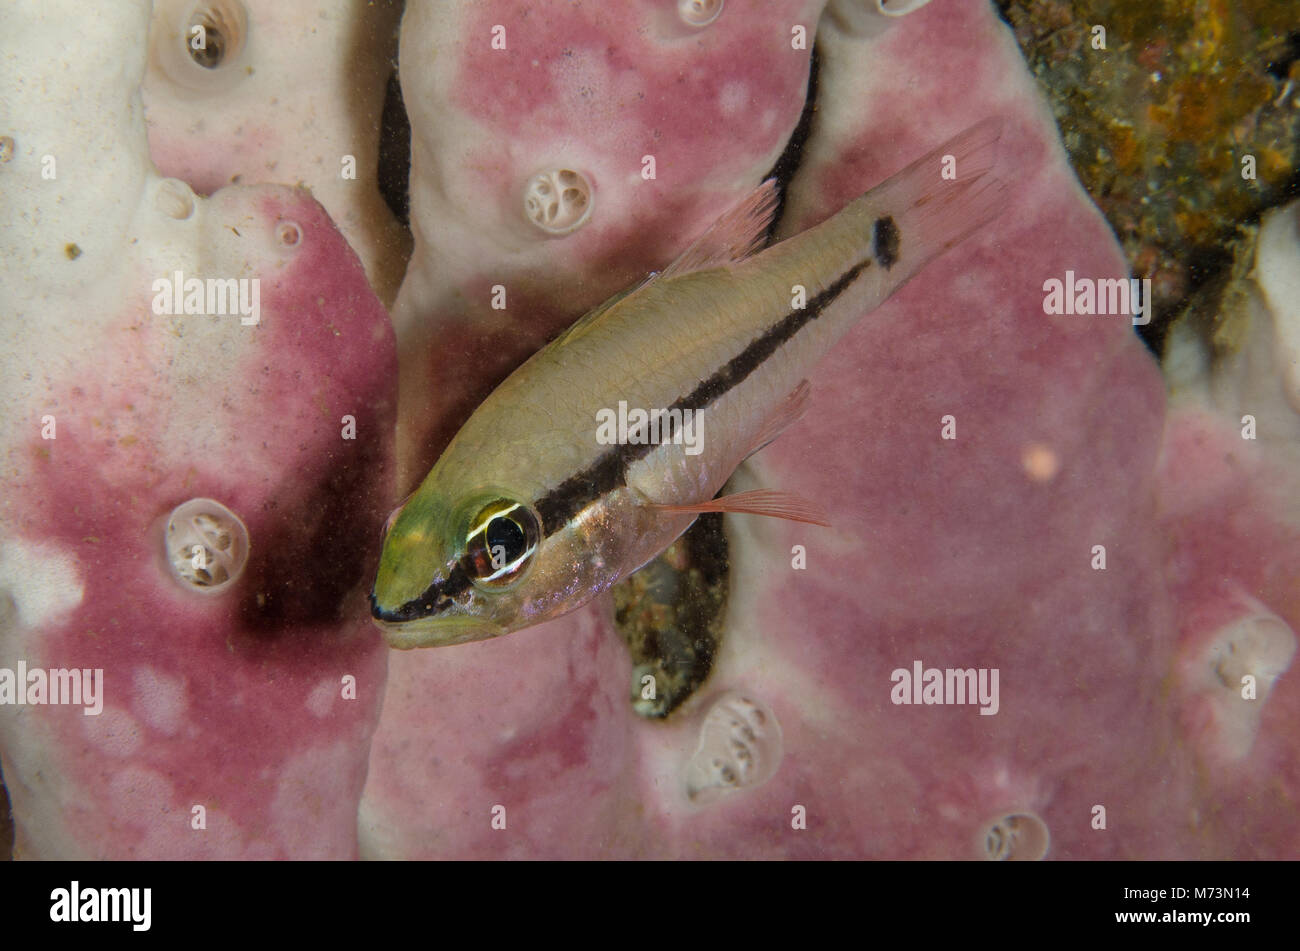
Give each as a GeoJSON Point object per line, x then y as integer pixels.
{"type": "Point", "coordinates": [441, 631]}
{"type": "Point", "coordinates": [434, 619]}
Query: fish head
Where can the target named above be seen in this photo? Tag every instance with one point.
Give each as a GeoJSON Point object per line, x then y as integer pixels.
{"type": "Point", "coordinates": [460, 566]}
{"type": "Point", "coordinates": [452, 571]}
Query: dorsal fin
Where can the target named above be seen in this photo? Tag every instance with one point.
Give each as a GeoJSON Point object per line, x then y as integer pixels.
{"type": "Point", "coordinates": [588, 320]}
{"type": "Point", "coordinates": [736, 235]}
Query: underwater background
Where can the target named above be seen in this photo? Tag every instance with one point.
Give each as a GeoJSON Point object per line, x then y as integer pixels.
{"type": "Point", "coordinates": [1090, 511]}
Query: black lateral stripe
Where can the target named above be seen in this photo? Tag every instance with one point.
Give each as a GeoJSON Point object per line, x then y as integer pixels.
{"type": "Point", "coordinates": [609, 471]}
{"type": "Point", "coordinates": [435, 599]}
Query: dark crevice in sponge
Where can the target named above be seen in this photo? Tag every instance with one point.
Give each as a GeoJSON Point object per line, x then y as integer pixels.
{"type": "Point", "coordinates": [788, 162]}
{"type": "Point", "coordinates": [6, 823]}
{"type": "Point", "coordinates": [395, 151]}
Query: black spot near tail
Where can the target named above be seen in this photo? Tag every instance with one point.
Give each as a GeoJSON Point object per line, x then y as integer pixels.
{"type": "Point", "coordinates": [884, 243]}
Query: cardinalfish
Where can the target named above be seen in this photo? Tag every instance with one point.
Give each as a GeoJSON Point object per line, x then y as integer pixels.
{"type": "Point", "coordinates": [533, 509]}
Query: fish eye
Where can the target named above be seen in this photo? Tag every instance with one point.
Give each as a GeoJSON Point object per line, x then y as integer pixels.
{"type": "Point", "coordinates": [500, 543]}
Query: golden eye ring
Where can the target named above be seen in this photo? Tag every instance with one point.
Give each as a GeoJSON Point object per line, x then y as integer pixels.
{"type": "Point", "coordinates": [500, 542]}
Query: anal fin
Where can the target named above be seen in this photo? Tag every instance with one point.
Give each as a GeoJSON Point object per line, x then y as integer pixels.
{"type": "Point", "coordinates": [789, 412]}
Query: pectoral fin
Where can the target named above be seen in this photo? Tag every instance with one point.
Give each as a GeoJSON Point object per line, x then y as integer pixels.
{"type": "Point", "coordinates": [770, 502]}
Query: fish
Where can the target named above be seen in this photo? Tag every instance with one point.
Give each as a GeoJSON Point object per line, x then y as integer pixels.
{"type": "Point", "coordinates": [541, 502]}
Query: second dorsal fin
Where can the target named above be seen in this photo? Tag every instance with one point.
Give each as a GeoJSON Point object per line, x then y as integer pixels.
{"type": "Point", "coordinates": [737, 234]}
